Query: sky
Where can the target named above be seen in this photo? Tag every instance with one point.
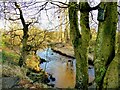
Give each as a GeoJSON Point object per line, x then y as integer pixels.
{"type": "Point", "coordinates": [46, 18]}
{"type": "Point", "coordinates": [45, 21]}
{"type": "Point", "coordinates": [50, 22]}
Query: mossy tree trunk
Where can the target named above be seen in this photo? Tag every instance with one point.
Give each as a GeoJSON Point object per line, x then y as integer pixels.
{"type": "Point", "coordinates": [80, 42]}
{"type": "Point", "coordinates": [119, 57]}
{"type": "Point", "coordinates": [119, 45]}
{"type": "Point", "coordinates": [24, 50]}
{"type": "Point", "coordinates": [105, 44]}
{"type": "Point", "coordinates": [118, 52]}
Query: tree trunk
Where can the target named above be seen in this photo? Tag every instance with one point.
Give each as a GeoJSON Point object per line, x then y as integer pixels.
{"type": "Point", "coordinates": [60, 29]}
{"type": "Point", "coordinates": [105, 47]}
{"type": "Point", "coordinates": [80, 43]}
{"type": "Point", "coordinates": [24, 50]}
{"type": "Point", "coordinates": [119, 56]}
{"type": "Point", "coordinates": [119, 45]}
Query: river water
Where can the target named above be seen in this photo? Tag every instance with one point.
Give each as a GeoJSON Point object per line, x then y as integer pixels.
{"type": "Point", "coordinates": [62, 68]}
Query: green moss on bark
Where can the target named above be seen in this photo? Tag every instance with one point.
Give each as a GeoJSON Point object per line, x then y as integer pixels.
{"type": "Point", "coordinates": [105, 45]}
{"type": "Point", "coordinates": [24, 50]}
{"type": "Point", "coordinates": [111, 77]}
{"type": "Point", "coordinates": [80, 42]}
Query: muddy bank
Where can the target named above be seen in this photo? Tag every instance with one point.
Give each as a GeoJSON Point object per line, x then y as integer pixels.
{"type": "Point", "coordinates": [68, 51]}
{"type": "Point", "coordinates": [64, 53]}
{"type": "Point", "coordinates": [64, 49]}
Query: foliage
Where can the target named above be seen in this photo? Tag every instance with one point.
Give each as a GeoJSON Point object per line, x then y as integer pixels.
{"type": "Point", "coordinates": [94, 33]}
{"type": "Point", "coordinates": [33, 62]}
{"type": "Point", "coordinates": [12, 39]}
{"type": "Point", "coordinates": [37, 39]}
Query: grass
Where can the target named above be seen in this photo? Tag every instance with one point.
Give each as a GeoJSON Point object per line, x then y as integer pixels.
{"type": "Point", "coordinates": [9, 60]}
{"type": "Point", "coordinates": [7, 56]}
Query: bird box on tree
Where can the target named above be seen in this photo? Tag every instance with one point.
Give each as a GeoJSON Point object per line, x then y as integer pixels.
{"type": "Point", "coordinates": [101, 14]}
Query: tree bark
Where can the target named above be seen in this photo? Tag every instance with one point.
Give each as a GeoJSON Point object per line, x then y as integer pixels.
{"type": "Point", "coordinates": [80, 42]}
{"type": "Point", "coordinates": [105, 44]}
{"type": "Point", "coordinates": [60, 29]}
{"type": "Point", "coordinates": [24, 49]}
{"type": "Point", "coordinates": [119, 44]}
{"type": "Point", "coordinates": [119, 56]}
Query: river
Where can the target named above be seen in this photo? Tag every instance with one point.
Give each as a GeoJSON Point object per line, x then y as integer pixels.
{"type": "Point", "coordinates": [62, 68]}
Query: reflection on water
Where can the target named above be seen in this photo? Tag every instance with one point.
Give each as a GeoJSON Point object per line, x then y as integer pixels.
{"type": "Point", "coordinates": [62, 68]}
{"type": "Point", "coordinates": [64, 74]}
{"type": "Point", "coordinates": [49, 55]}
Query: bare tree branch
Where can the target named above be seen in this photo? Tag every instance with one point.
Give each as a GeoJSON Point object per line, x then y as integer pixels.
{"type": "Point", "coordinates": [94, 8]}
{"type": "Point", "coordinates": [60, 2]}
{"type": "Point", "coordinates": [21, 15]}
{"type": "Point", "coordinates": [13, 19]}
{"type": "Point", "coordinates": [118, 13]}
{"type": "Point", "coordinates": [118, 6]}
{"type": "Point", "coordinates": [59, 5]}
{"type": "Point", "coordinates": [93, 18]}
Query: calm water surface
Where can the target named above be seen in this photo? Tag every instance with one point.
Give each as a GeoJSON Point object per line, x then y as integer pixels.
{"type": "Point", "coordinates": [61, 69]}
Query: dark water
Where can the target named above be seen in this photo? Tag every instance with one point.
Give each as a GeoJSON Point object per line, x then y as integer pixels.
{"type": "Point", "coordinates": [60, 68]}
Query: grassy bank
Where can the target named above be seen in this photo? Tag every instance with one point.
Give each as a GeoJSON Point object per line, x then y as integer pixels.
{"type": "Point", "coordinates": [9, 62]}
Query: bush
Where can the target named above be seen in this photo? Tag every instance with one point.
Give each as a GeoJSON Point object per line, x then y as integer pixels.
{"type": "Point", "coordinates": [33, 62]}
{"type": "Point", "coordinates": [9, 57]}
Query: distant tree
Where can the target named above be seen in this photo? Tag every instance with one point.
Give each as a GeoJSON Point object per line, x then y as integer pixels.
{"type": "Point", "coordinates": [14, 13]}
{"type": "Point", "coordinates": [12, 39]}
{"type": "Point", "coordinates": [66, 32]}
{"type": "Point", "coordinates": [37, 39]}
{"type": "Point", "coordinates": [60, 27]}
